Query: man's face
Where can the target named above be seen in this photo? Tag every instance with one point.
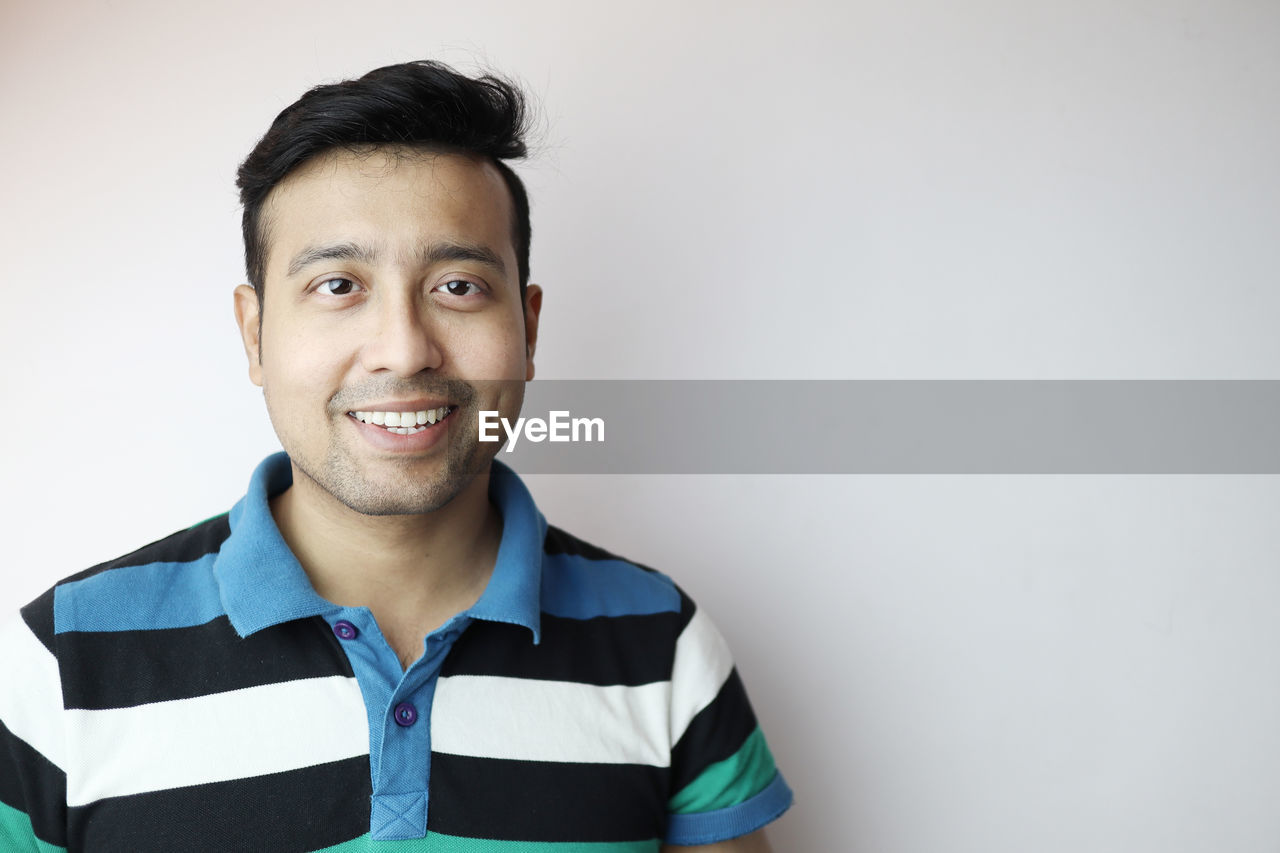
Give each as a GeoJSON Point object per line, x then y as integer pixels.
{"type": "Point", "coordinates": [391, 287]}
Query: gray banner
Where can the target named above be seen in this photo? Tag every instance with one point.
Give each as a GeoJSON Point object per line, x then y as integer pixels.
{"type": "Point", "coordinates": [899, 427]}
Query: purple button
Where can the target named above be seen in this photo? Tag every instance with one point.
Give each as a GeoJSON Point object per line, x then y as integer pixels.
{"type": "Point", "coordinates": [345, 630]}
{"type": "Point", "coordinates": [405, 714]}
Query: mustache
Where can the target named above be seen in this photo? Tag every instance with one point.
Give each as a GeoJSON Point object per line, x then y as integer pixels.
{"type": "Point", "coordinates": [458, 392]}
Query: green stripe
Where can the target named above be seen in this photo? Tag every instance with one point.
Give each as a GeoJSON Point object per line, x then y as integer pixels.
{"type": "Point", "coordinates": [437, 843]}
{"type": "Point", "coordinates": [726, 783]}
{"type": "Point", "coordinates": [17, 836]}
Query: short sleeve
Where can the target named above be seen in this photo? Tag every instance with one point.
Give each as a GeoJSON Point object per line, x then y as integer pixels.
{"type": "Point", "coordinates": [724, 782]}
{"type": "Point", "coordinates": [32, 784]}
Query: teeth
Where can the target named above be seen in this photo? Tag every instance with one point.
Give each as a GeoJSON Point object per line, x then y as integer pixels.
{"type": "Point", "coordinates": [403, 423]}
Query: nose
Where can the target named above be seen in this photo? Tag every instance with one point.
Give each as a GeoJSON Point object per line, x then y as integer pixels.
{"type": "Point", "coordinates": [402, 338]}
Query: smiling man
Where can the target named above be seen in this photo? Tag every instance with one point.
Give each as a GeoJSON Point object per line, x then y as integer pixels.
{"type": "Point", "coordinates": [384, 645]}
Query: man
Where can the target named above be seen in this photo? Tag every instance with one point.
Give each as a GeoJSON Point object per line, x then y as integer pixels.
{"type": "Point", "coordinates": [261, 681]}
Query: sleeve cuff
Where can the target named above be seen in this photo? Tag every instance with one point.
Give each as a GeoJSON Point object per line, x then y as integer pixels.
{"type": "Point", "coordinates": [731, 822]}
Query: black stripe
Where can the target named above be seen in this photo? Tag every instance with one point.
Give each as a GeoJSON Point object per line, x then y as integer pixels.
{"type": "Point", "coordinates": [288, 812]}
{"type": "Point", "coordinates": [717, 732]}
{"type": "Point", "coordinates": [687, 609]}
{"type": "Point", "coordinates": [121, 669]}
{"type": "Point", "coordinates": [32, 784]}
{"type": "Point", "coordinates": [628, 650]}
{"type": "Point", "coordinates": [182, 547]}
{"type": "Point", "coordinates": [545, 801]}
{"type": "Point", "coordinates": [558, 541]}
{"type": "Point", "coordinates": [39, 618]}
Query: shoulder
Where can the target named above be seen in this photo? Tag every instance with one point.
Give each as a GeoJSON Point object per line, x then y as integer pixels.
{"type": "Point", "coordinates": [582, 580]}
{"type": "Point", "coordinates": [721, 779]}
{"type": "Point", "coordinates": [176, 568]}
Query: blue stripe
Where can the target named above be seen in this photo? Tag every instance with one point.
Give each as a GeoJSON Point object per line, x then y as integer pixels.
{"type": "Point", "coordinates": [731, 822]}
{"type": "Point", "coordinates": [139, 598]}
{"type": "Point", "coordinates": [575, 587]}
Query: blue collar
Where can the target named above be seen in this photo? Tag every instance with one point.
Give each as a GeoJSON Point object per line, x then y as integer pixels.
{"type": "Point", "coordinates": [262, 583]}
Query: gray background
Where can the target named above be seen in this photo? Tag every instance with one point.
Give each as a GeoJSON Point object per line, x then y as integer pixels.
{"type": "Point", "coordinates": [854, 190]}
{"type": "Point", "coordinates": [827, 426]}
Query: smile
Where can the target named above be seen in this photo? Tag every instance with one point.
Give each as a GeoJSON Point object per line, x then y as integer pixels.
{"type": "Point", "coordinates": [404, 423]}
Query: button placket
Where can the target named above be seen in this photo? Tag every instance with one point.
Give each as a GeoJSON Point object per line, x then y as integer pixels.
{"type": "Point", "coordinates": [402, 762]}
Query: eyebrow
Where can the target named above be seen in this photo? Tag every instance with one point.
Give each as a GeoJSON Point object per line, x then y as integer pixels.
{"type": "Point", "coordinates": [448, 250]}
{"type": "Point", "coordinates": [437, 253]}
{"type": "Point", "coordinates": [332, 252]}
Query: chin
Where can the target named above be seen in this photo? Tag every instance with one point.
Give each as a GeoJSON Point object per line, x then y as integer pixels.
{"type": "Point", "coordinates": [373, 504]}
{"type": "Point", "coordinates": [398, 490]}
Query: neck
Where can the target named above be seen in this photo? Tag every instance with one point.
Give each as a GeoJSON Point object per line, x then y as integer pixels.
{"type": "Point", "coordinates": [412, 571]}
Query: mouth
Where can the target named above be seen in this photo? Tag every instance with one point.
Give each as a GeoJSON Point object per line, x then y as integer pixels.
{"type": "Point", "coordinates": [404, 423]}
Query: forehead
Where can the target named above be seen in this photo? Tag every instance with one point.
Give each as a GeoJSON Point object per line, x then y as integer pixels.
{"type": "Point", "coordinates": [398, 199]}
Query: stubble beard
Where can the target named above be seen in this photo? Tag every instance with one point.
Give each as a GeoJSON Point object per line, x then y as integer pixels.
{"type": "Point", "coordinates": [416, 486]}
{"type": "Point", "coordinates": [370, 493]}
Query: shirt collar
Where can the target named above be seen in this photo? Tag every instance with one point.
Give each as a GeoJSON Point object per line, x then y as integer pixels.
{"type": "Point", "coordinates": [262, 583]}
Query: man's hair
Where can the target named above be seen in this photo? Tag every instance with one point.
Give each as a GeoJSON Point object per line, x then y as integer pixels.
{"type": "Point", "coordinates": [424, 104]}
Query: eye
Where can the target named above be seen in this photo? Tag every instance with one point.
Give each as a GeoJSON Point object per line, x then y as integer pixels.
{"type": "Point", "coordinates": [337, 286]}
{"type": "Point", "coordinates": [459, 287]}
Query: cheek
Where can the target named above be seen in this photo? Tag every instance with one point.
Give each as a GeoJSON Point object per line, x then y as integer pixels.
{"type": "Point", "coordinates": [493, 352]}
{"type": "Point", "coordinates": [296, 367]}
{"type": "Point", "coordinates": [510, 399]}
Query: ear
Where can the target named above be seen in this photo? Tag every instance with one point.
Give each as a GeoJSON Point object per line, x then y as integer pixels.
{"type": "Point", "coordinates": [249, 319]}
{"type": "Point", "coordinates": [532, 307]}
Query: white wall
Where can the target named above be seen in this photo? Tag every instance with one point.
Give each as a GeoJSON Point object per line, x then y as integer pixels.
{"type": "Point", "coordinates": [917, 189]}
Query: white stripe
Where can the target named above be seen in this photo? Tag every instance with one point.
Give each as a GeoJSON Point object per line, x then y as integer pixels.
{"type": "Point", "coordinates": [516, 718]}
{"type": "Point", "coordinates": [703, 662]}
{"type": "Point", "coordinates": [216, 738]}
{"type": "Point", "coordinates": [31, 690]}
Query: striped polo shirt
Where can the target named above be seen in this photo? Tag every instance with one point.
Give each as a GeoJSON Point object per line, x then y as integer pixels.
{"type": "Point", "coordinates": [198, 694]}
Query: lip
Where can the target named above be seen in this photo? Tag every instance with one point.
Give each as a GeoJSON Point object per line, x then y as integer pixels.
{"type": "Point", "coordinates": [387, 441]}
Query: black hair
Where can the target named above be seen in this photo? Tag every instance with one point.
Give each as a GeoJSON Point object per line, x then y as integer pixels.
{"type": "Point", "coordinates": [423, 104]}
